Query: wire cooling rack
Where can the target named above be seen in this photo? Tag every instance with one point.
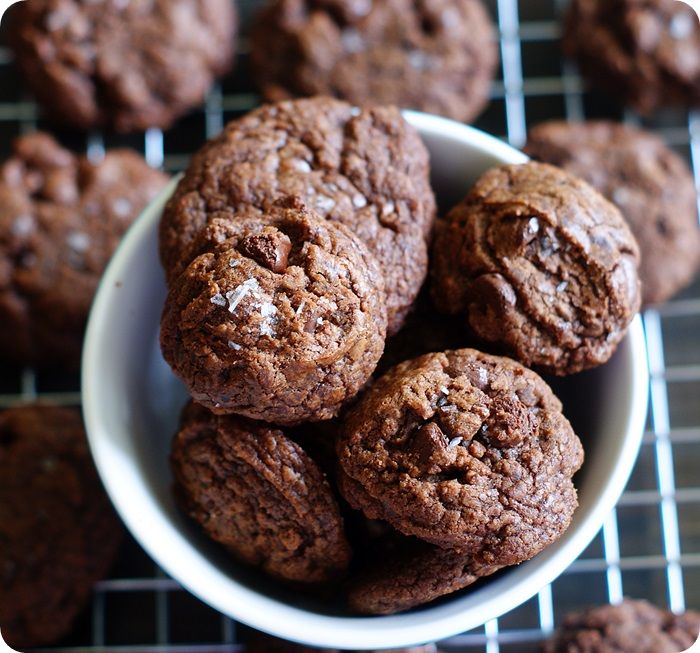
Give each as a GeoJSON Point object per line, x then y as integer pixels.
{"type": "Point", "coordinates": [649, 546]}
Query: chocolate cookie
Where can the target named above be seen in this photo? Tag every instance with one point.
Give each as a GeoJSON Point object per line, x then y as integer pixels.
{"type": "Point", "coordinates": [647, 54]}
{"type": "Point", "coordinates": [256, 492]}
{"type": "Point", "coordinates": [61, 217]}
{"type": "Point", "coordinates": [415, 573]}
{"type": "Point", "coordinates": [123, 65]}
{"type": "Point", "coordinates": [438, 56]}
{"type": "Point", "coordinates": [543, 266]}
{"type": "Point", "coordinates": [284, 321]}
{"type": "Point", "coordinates": [466, 451]}
{"type": "Point", "coordinates": [650, 184]}
{"type": "Point", "coordinates": [366, 169]}
{"type": "Point", "coordinates": [58, 533]}
{"type": "Point", "coordinates": [631, 626]}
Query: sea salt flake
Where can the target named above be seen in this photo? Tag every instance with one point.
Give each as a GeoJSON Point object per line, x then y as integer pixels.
{"type": "Point", "coordinates": [233, 345]}
{"type": "Point", "coordinates": [419, 60]}
{"type": "Point", "coordinates": [449, 408]}
{"type": "Point", "coordinates": [266, 329]}
{"type": "Point", "coordinates": [122, 207]}
{"type": "Point", "coordinates": [78, 241]}
{"type": "Point", "coordinates": [483, 376]}
{"type": "Point", "coordinates": [319, 321]}
{"type": "Point", "coordinates": [548, 246]}
{"type": "Point", "coordinates": [236, 296]}
{"type": "Point", "coordinates": [444, 390]}
{"type": "Point", "coordinates": [621, 196]}
{"type": "Point", "coordinates": [455, 442]}
{"type": "Point", "coordinates": [23, 226]}
{"type": "Point", "coordinates": [681, 26]}
{"type": "Point", "coordinates": [562, 286]}
{"type": "Point", "coordinates": [234, 263]}
{"type": "Point", "coordinates": [361, 7]}
{"type": "Point", "coordinates": [450, 18]}
{"type": "Point", "coordinates": [359, 201]}
{"type": "Point", "coordinates": [355, 111]}
{"type": "Point", "coordinates": [352, 41]}
{"type": "Point", "coordinates": [268, 309]}
{"type": "Point", "coordinates": [301, 165]}
{"type": "Point", "coordinates": [334, 269]}
{"type": "Point", "coordinates": [300, 308]}
{"type": "Point", "coordinates": [218, 299]}
{"type": "Point", "coordinates": [533, 225]}
{"type": "Point", "coordinates": [388, 208]}
{"type": "Point", "coordinates": [324, 204]}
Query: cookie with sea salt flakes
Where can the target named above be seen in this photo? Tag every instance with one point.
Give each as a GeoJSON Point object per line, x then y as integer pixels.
{"type": "Point", "coordinates": [283, 321]}
{"type": "Point", "coordinates": [364, 168]}
{"type": "Point", "coordinates": [541, 265]}
{"type": "Point", "coordinates": [466, 451]}
{"type": "Point", "coordinates": [61, 217]}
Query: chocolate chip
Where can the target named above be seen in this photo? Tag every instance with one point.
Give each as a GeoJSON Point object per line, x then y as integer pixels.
{"type": "Point", "coordinates": [270, 249]}
{"type": "Point", "coordinates": [428, 443]}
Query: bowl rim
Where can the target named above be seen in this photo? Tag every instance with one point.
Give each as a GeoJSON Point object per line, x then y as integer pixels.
{"type": "Point", "coordinates": [151, 527]}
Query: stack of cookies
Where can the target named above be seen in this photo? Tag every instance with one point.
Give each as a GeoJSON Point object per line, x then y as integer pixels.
{"type": "Point", "coordinates": [295, 244]}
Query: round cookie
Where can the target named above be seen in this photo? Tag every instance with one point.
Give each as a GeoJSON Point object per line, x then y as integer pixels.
{"type": "Point", "coordinates": [647, 54]}
{"type": "Point", "coordinates": [650, 184]}
{"type": "Point", "coordinates": [437, 56]}
{"type": "Point", "coordinates": [256, 492]}
{"type": "Point", "coordinates": [415, 573]}
{"type": "Point", "coordinates": [635, 626]}
{"type": "Point", "coordinates": [543, 266]}
{"type": "Point", "coordinates": [466, 451]}
{"type": "Point", "coordinates": [61, 217]}
{"type": "Point", "coordinates": [366, 169]}
{"type": "Point", "coordinates": [58, 533]}
{"type": "Point", "coordinates": [284, 321]}
{"type": "Point", "coordinates": [123, 65]}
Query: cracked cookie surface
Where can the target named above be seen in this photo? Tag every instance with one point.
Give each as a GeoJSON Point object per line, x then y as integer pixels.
{"type": "Point", "coordinates": [284, 321]}
{"type": "Point", "coordinates": [61, 217]}
{"type": "Point", "coordinates": [365, 169]}
{"type": "Point", "coordinates": [122, 65]}
{"type": "Point", "coordinates": [437, 56]}
{"type": "Point", "coordinates": [635, 626]}
{"type": "Point", "coordinates": [257, 493]}
{"type": "Point", "coordinates": [650, 184]}
{"type": "Point", "coordinates": [58, 532]}
{"type": "Point", "coordinates": [543, 266]}
{"type": "Point", "coordinates": [466, 451]}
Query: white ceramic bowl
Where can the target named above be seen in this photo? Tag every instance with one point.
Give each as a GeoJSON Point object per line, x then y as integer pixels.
{"type": "Point", "coordinates": [132, 401]}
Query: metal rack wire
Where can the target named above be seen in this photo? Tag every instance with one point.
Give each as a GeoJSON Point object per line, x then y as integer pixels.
{"type": "Point", "coordinates": [649, 546]}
